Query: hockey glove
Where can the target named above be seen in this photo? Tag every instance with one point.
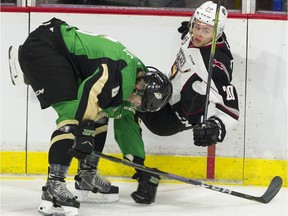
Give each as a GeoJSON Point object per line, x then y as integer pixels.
{"type": "Point", "coordinates": [147, 187]}
{"type": "Point", "coordinates": [209, 132]}
{"type": "Point", "coordinates": [184, 29]}
{"type": "Point", "coordinates": [84, 139]}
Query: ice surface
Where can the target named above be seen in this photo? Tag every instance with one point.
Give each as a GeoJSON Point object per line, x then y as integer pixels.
{"type": "Point", "coordinates": [21, 196]}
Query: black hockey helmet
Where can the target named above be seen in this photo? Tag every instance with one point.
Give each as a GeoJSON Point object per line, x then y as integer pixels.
{"type": "Point", "coordinates": [157, 92]}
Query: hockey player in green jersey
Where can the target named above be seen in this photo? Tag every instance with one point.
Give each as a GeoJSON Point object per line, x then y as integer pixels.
{"type": "Point", "coordinates": [86, 78]}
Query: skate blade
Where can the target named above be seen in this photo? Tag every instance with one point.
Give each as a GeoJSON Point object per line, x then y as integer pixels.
{"type": "Point", "coordinates": [46, 208]}
{"type": "Point", "coordinates": [83, 196]}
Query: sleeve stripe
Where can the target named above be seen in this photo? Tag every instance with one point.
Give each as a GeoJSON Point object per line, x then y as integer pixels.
{"type": "Point", "coordinates": [229, 111]}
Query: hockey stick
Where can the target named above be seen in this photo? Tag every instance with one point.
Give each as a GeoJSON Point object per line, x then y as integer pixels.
{"type": "Point", "coordinates": [211, 59]}
{"type": "Point", "coordinates": [212, 148]}
{"type": "Point", "coordinates": [274, 187]}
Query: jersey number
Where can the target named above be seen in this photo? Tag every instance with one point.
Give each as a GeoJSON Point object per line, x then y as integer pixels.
{"type": "Point", "coordinates": [229, 92]}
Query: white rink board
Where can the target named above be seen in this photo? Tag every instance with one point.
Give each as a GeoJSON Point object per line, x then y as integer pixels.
{"type": "Point", "coordinates": [155, 40]}
{"type": "Point", "coordinates": [14, 28]}
{"type": "Point", "coordinates": [266, 128]}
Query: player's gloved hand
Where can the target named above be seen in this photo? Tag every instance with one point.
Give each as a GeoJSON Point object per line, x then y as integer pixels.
{"type": "Point", "coordinates": [84, 139]}
{"type": "Point", "coordinates": [209, 132]}
{"type": "Point", "coordinates": [183, 29]}
{"type": "Point", "coordinates": [147, 187]}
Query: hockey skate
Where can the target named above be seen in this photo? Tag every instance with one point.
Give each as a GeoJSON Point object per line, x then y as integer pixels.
{"type": "Point", "coordinates": [58, 200]}
{"type": "Point", "coordinates": [91, 187]}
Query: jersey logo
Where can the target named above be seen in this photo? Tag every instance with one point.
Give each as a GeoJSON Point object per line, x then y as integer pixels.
{"type": "Point", "coordinates": [39, 92]}
{"type": "Point", "coordinates": [128, 53]}
{"type": "Point", "coordinates": [115, 91]}
{"type": "Point", "coordinates": [88, 132]}
{"type": "Point", "coordinates": [192, 60]}
{"type": "Point", "coordinates": [183, 120]}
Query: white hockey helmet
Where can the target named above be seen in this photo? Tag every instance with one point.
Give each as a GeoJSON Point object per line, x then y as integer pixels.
{"type": "Point", "coordinates": [206, 13]}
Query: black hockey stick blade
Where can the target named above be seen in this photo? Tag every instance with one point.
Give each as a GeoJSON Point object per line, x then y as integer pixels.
{"type": "Point", "coordinates": [272, 190]}
{"type": "Point", "coordinates": [270, 193]}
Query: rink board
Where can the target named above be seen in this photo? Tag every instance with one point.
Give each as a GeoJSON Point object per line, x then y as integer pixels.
{"type": "Point", "coordinates": [234, 170]}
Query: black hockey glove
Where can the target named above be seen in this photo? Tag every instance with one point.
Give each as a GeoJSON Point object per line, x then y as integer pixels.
{"type": "Point", "coordinates": [209, 132]}
{"type": "Point", "coordinates": [84, 139]}
{"type": "Point", "coordinates": [183, 29]}
{"type": "Point", "coordinates": [147, 187]}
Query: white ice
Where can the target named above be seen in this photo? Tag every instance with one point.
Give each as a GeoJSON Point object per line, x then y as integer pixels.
{"type": "Point", "coordinates": [21, 197]}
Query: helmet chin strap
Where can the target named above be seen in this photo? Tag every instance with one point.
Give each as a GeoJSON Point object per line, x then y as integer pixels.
{"type": "Point", "coordinates": [135, 92]}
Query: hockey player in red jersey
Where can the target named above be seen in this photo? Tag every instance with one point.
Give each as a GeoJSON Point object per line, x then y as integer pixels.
{"type": "Point", "coordinates": [188, 75]}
